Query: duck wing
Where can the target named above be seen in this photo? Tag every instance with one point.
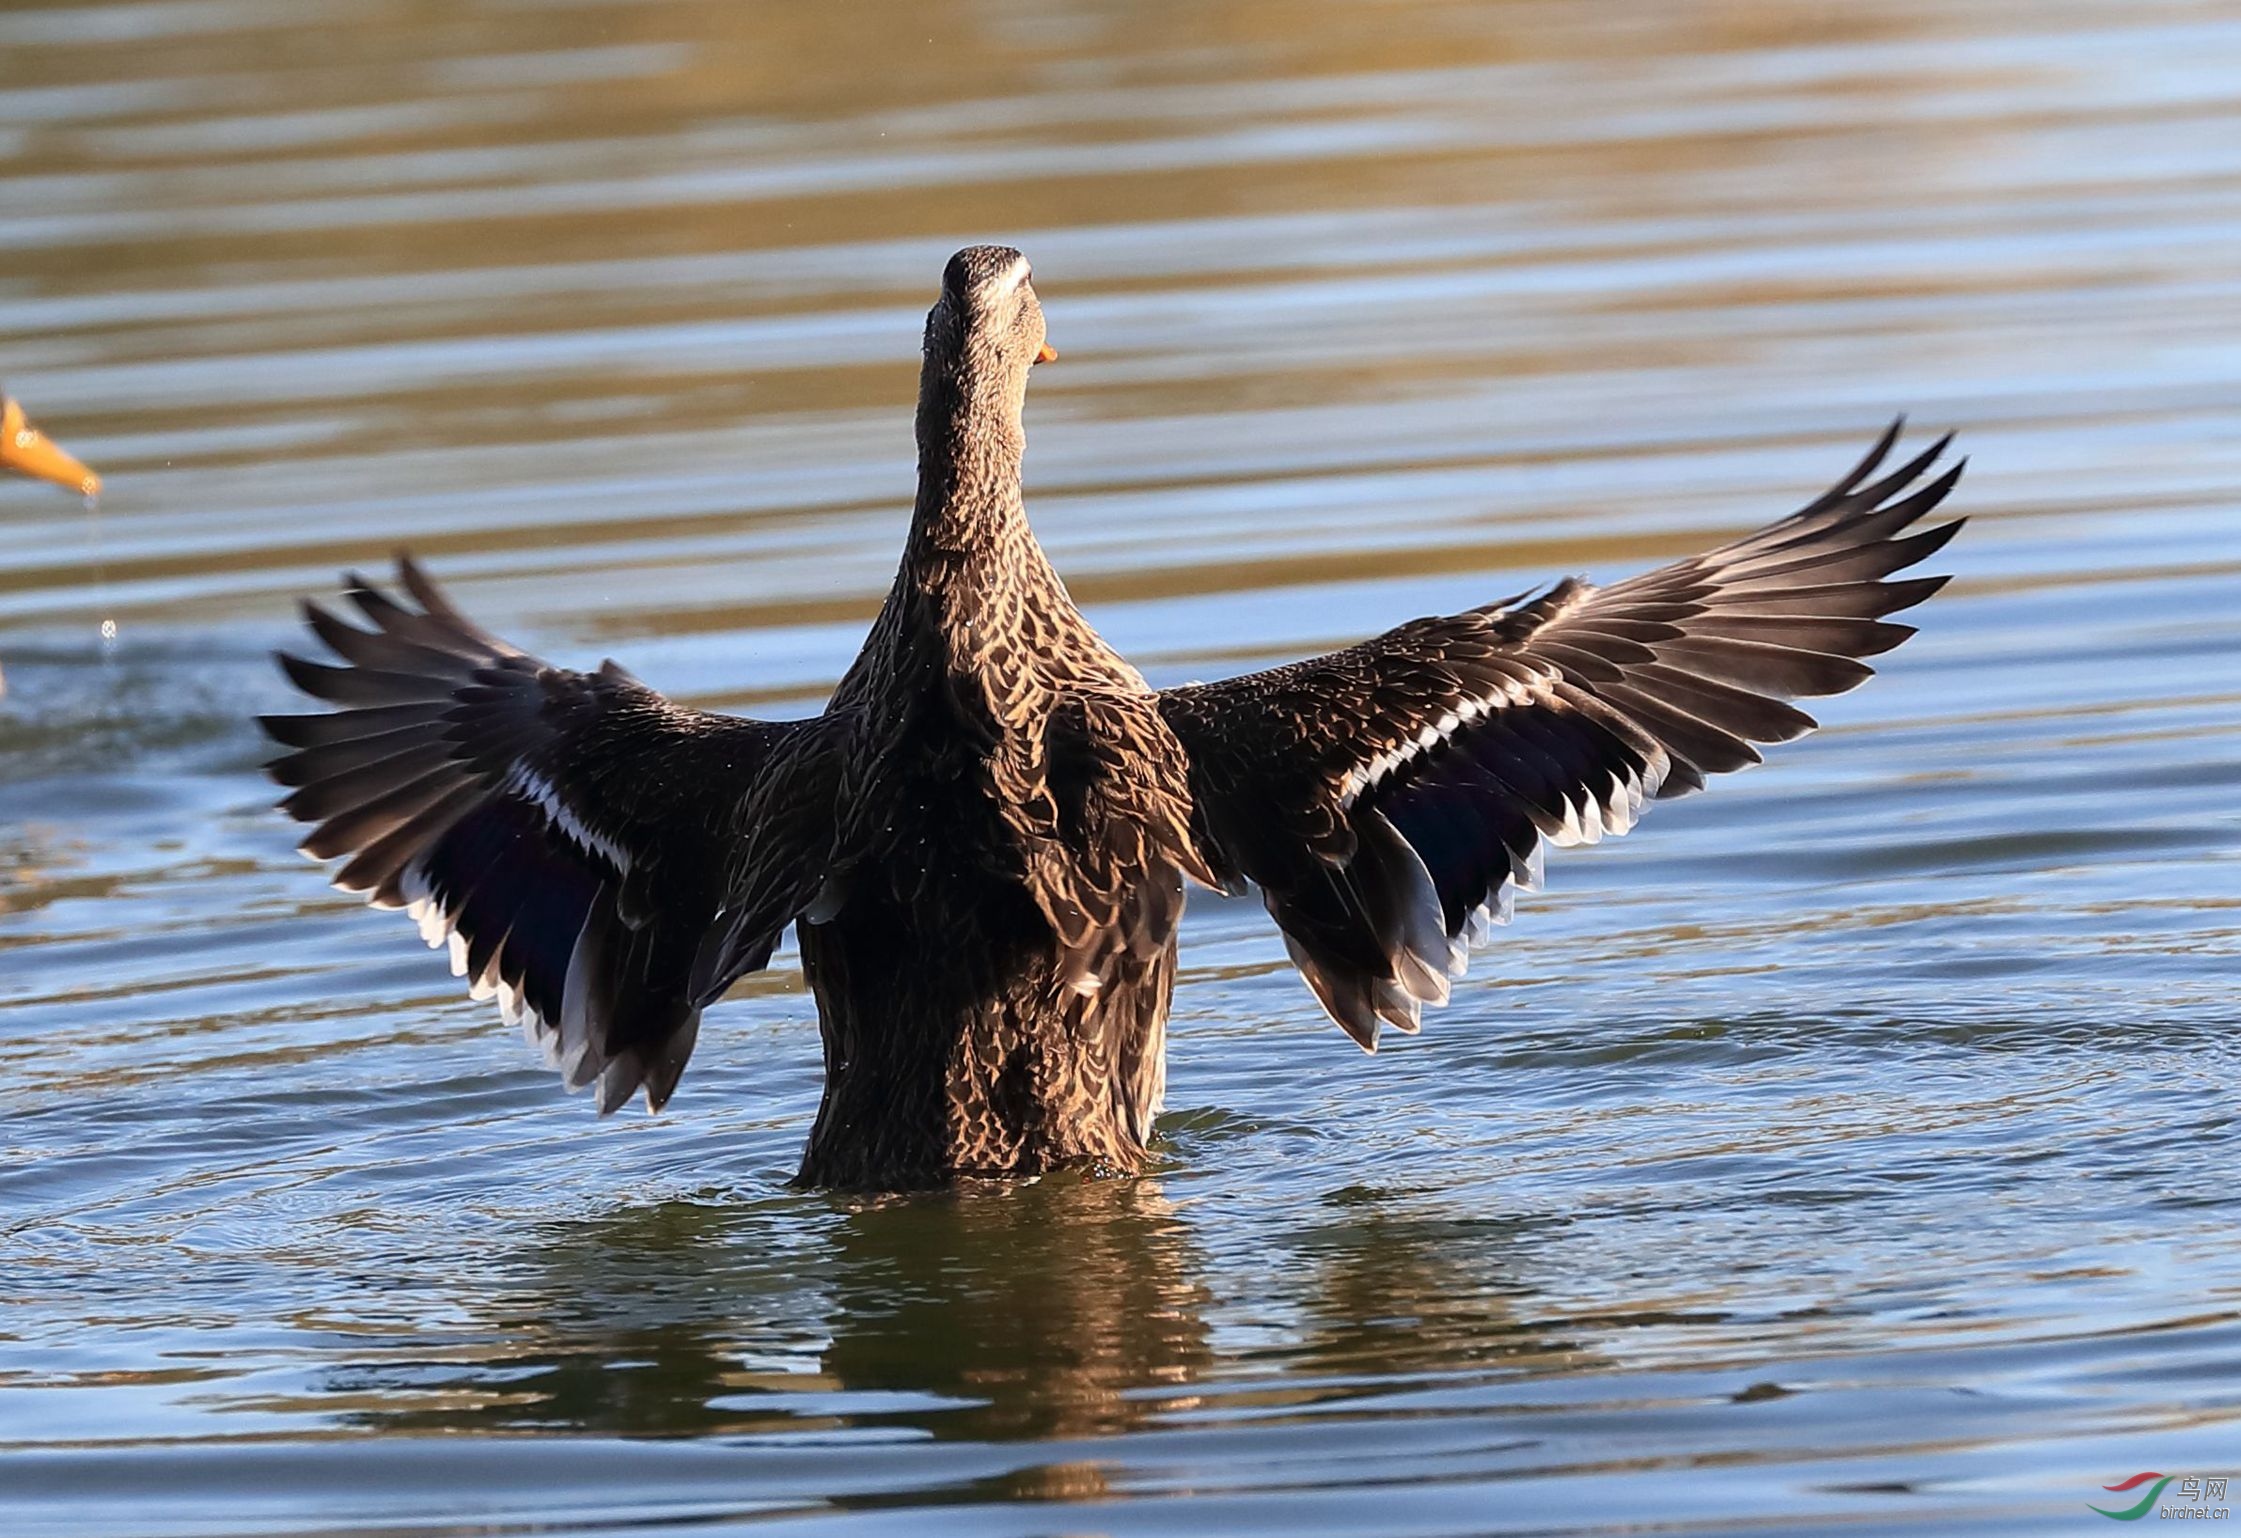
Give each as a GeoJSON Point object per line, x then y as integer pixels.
{"type": "Point", "coordinates": [1390, 799]}
{"type": "Point", "coordinates": [569, 835]}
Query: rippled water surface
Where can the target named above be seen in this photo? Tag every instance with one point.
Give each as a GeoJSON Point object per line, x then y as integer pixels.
{"type": "Point", "coordinates": [1853, 1147]}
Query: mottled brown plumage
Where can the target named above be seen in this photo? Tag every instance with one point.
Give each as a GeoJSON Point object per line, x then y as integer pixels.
{"type": "Point", "coordinates": [984, 839]}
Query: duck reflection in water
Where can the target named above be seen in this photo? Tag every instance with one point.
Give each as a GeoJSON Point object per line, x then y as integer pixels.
{"type": "Point", "coordinates": [1054, 1310]}
{"type": "Point", "coordinates": [1063, 1311]}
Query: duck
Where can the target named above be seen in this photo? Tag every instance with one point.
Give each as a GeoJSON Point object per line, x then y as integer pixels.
{"type": "Point", "coordinates": [26, 451]}
{"type": "Point", "coordinates": [984, 841]}
{"type": "Point", "coordinates": [29, 452]}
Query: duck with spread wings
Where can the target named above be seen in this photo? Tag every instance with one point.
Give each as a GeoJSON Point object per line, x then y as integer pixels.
{"type": "Point", "coordinates": [985, 839]}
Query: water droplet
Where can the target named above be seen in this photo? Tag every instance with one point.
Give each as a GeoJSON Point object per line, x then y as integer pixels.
{"type": "Point", "coordinates": [108, 630]}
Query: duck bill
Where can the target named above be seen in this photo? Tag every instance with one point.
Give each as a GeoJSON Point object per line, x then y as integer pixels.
{"type": "Point", "coordinates": [28, 451]}
{"type": "Point", "coordinates": [1047, 354]}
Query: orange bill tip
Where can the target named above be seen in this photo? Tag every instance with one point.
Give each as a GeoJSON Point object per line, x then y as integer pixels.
{"type": "Point", "coordinates": [1046, 354]}
{"type": "Point", "coordinates": [28, 451]}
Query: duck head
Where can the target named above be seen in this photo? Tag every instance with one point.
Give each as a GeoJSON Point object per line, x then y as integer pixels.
{"type": "Point", "coordinates": [28, 451]}
{"type": "Point", "coordinates": [985, 332]}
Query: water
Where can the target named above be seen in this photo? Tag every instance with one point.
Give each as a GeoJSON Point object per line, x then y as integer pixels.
{"type": "Point", "coordinates": [1850, 1148]}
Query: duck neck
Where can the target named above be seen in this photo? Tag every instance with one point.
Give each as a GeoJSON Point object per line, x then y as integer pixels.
{"type": "Point", "coordinates": [970, 443]}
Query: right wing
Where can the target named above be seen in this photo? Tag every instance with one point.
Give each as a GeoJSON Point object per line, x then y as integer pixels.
{"type": "Point", "coordinates": [571, 836]}
{"type": "Point", "coordinates": [1389, 798]}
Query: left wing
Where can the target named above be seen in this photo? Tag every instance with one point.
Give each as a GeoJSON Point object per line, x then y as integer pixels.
{"type": "Point", "coordinates": [571, 836]}
{"type": "Point", "coordinates": [1390, 799]}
